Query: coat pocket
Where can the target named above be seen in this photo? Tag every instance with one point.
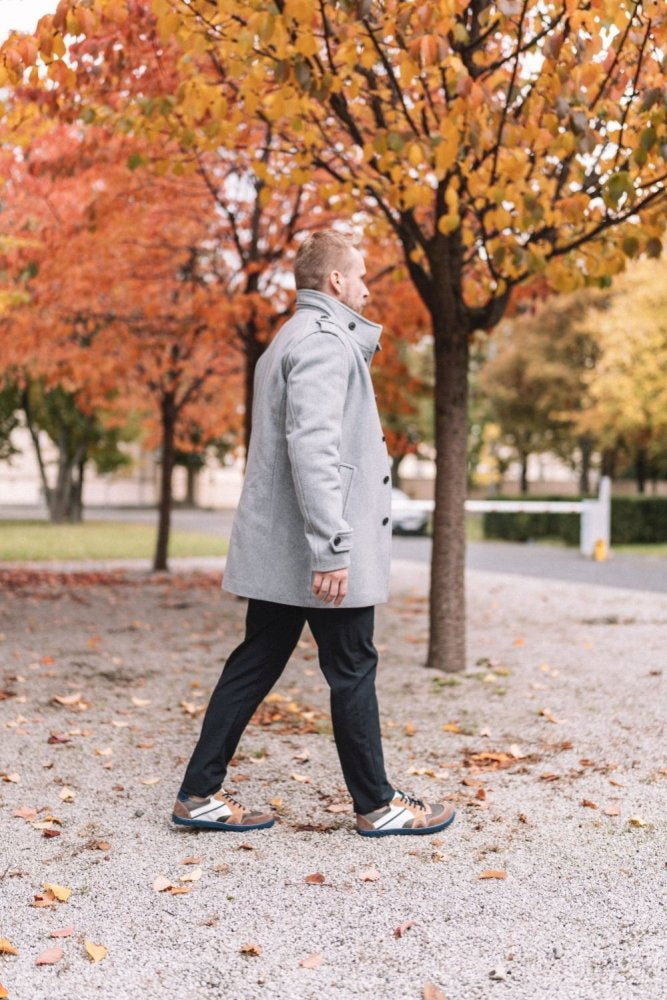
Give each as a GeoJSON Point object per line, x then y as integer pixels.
{"type": "Point", "coordinates": [347, 474]}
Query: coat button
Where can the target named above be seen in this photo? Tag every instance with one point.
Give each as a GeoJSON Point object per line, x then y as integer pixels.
{"type": "Point", "coordinates": [386, 479]}
{"type": "Point", "coordinates": [337, 540]}
{"type": "Point", "coordinates": [383, 438]}
{"type": "Point", "coordinates": [385, 520]}
{"type": "Point", "coordinates": [351, 326]}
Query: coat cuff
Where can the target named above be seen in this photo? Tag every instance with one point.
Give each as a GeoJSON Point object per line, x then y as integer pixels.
{"type": "Point", "coordinates": [338, 556]}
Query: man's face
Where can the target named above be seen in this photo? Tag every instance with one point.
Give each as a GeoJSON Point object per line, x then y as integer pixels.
{"type": "Point", "coordinates": [348, 282]}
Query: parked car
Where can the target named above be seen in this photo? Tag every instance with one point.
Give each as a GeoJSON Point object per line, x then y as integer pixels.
{"type": "Point", "coordinates": [407, 515]}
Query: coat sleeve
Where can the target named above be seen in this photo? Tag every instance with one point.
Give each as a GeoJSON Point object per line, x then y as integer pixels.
{"type": "Point", "coordinates": [316, 387]}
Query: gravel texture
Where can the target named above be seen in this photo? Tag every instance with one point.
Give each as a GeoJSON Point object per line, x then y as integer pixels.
{"type": "Point", "coordinates": [565, 691]}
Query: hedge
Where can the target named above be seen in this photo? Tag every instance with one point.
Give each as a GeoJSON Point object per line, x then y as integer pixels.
{"type": "Point", "coordinates": [633, 519]}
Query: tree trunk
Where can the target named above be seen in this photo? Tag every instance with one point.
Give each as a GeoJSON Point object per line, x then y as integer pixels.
{"type": "Point", "coordinates": [168, 421]}
{"type": "Point", "coordinates": [641, 470]}
{"type": "Point", "coordinates": [586, 448]}
{"type": "Point", "coordinates": [191, 474]}
{"type": "Point", "coordinates": [75, 512]}
{"type": "Point", "coordinates": [524, 485]}
{"type": "Point", "coordinates": [608, 465]}
{"type": "Point", "coordinates": [253, 352]}
{"type": "Point", "coordinates": [395, 462]}
{"type": "Point", "coordinates": [34, 436]}
{"type": "Point", "coordinates": [447, 598]}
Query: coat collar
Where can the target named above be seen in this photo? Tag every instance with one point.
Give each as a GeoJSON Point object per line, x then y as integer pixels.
{"type": "Point", "coordinates": [360, 329]}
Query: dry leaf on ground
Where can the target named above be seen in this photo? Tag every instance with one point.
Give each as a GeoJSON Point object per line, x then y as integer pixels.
{"type": "Point", "coordinates": [59, 891]}
{"type": "Point", "coordinates": [311, 961]}
{"type": "Point", "coordinates": [7, 948]}
{"type": "Point", "coordinates": [612, 811]}
{"type": "Point", "coordinates": [50, 956]}
{"type": "Point", "coordinates": [63, 932]}
{"type": "Point", "coordinates": [3, 992]}
{"type": "Point", "coordinates": [96, 951]}
{"type": "Point", "coordinates": [317, 878]}
{"type": "Point", "coordinates": [190, 860]}
{"type": "Point", "coordinates": [25, 812]}
{"type": "Point", "coordinates": [250, 949]}
{"type": "Point", "coordinates": [493, 873]}
{"type": "Point", "coordinates": [432, 992]}
{"type": "Point", "coordinates": [371, 875]}
{"type": "Point", "coordinates": [636, 821]}
{"type": "Point", "coordinates": [589, 804]}
{"type": "Point", "coordinates": [192, 876]}
{"type": "Point", "coordinates": [402, 928]}
{"type": "Point", "coordinates": [302, 777]}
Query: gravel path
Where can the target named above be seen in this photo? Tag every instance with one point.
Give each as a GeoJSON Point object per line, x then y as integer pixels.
{"type": "Point", "coordinates": [557, 729]}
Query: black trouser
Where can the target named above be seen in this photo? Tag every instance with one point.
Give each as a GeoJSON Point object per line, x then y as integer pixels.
{"type": "Point", "coordinates": [348, 660]}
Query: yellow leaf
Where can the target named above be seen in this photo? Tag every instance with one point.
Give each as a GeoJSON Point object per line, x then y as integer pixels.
{"type": "Point", "coordinates": [451, 727]}
{"type": "Point", "coordinates": [7, 948]}
{"type": "Point", "coordinates": [3, 992]}
{"type": "Point", "coordinates": [96, 951]}
{"type": "Point", "coordinates": [636, 821]}
{"type": "Point", "coordinates": [59, 891]}
{"type": "Point", "coordinates": [493, 873]}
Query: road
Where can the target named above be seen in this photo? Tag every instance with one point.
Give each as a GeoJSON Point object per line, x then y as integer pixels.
{"type": "Point", "coordinates": [646, 573]}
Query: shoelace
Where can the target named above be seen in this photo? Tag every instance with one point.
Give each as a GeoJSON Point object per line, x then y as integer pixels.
{"type": "Point", "coordinates": [411, 800]}
{"type": "Point", "coordinates": [231, 798]}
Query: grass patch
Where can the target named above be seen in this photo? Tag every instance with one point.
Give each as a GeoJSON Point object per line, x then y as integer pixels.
{"type": "Point", "coordinates": [654, 549]}
{"type": "Point", "coordinates": [38, 540]}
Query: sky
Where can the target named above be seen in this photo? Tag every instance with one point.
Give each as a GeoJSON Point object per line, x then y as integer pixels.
{"type": "Point", "coordinates": [23, 15]}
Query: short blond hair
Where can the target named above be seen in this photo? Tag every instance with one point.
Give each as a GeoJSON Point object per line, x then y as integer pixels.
{"type": "Point", "coordinates": [319, 255]}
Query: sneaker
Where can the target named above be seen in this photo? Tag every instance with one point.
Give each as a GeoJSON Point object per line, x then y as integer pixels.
{"type": "Point", "coordinates": [405, 814]}
{"type": "Point", "coordinates": [220, 811]}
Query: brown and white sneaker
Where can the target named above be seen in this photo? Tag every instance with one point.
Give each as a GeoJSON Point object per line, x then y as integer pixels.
{"type": "Point", "coordinates": [407, 815]}
{"type": "Point", "coordinates": [220, 811]}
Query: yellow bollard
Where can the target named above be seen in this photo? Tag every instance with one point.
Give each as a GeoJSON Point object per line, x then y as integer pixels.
{"type": "Point", "coordinates": [600, 550]}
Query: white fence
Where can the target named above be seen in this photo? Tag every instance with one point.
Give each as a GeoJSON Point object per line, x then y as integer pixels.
{"type": "Point", "coordinates": [595, 523]}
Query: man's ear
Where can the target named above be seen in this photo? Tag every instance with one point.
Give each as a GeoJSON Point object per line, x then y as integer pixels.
{"type": "Point", "coordinates": [335, 280]}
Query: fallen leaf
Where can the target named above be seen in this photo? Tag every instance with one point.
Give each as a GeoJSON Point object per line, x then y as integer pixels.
{"type": "Point", "coordinates": [276, 802]}
{"type": "Point", "coordinates": [59, 891]}
{"type": "Point", "coordinates": [50, 832]}
{"type": "Point", "coordinates": [302, 756]}
{"type": "Point", "coordinates": [7, 948]}
{"type": "Point", "coordinates": [67, 794]}
{"type": "Point", "coordinates": [3, 992]}
{"type": "Point", "coordinates": [636, 821]}
{"type": "Point", "coordinates": [250, 949]}
{"type": "Point", "coordinates": [67, 699]}
{"type": "Point", "coordinates": [102, 845]}
{"type": "Point", "coordinates": [519, 641]}
{"type": "Point", "coordinates": [402, 928]}
{"type": "Point", "coordinates": [149, 781]}
{"type": "Point", "coordinates": [451, 727]}
{"type": "Point", "coordinates": [105, 752]}
{"type": "Point", "coordinates": [246, 847]}
{"type": "Point", "coordinates": [191, 876]}
{"type": "Point", "coordinates": [549, 776]}
{"type": "Point", "coordinates": [548, 715]}
{"type": "Point", "coordinates": [409, 729]}
{"type": "Point", "coordinates": [160, 883]}
{"type": "Point", "coordinates": [493, 873]}
{"type": "Point", "coordinates": [96, 951]}
{"type": "Point", "coordinates": [589, 804]}
{"type": "Point", "coordinates": [340, 807]}
{"type": "Point", "coordinates": [50, 956]}
{"type": "Point", "coordinates": [64, 932]}
{"type": "Point", "coordinates": [190, 860]}
{"type": "Point", "coordinates": [11, 777]}
{"type": "Point", "coordinates": [316, 879]}
{"type": "Point", "coordinates": [25, 812]}
{"type": "Point", "coordinates": [432, 992]}
{"type": "Point", "coordinates": [480, 794]}
{"type": "Point", "coordinates": [141, 702]}
{"type": "Point", "coordinates": [302, 777]}
{"type": "Point", "coordinates": [371, 875]}
{"type": "Point", "coordinates": [616, 784]}
{"type": "Point", "coordinates": [311, 961]}
{"type": "Point", "coordinates": [612, 811]}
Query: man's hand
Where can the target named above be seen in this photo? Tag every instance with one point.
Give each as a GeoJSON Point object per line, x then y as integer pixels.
{"type": "Point", "coordinates": [330, 586]}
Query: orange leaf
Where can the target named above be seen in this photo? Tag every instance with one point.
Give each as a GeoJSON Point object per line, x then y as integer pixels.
{"type": "Point", "coordinates": [402, 928]}
{"type": "Point", "coordinates": [589, 804]}
{"type": "Point", "coordinates": [493, 873]}
{"type": "Point", "coordinates": [50, 956]}
{"type": "Point", "coordinates": [7, 948]}
{"type": "Point", "coordinates": [316, 879]}
{"type": "Point", "coordinates": [311, 961]}
{"type": "Point", "coordinates": [432, 992]}
{"type": "Point", "coordinates": [3, 992]}
{"type": "Point", "coordinates": [64, 932]}
{"type": "Point", "coordinates": [250, 949]}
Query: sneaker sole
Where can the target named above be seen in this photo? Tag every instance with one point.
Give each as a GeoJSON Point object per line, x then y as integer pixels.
{"type": "Point", "coordinates": [209, 824]}
{"type": "Point", "coordinates": [408, 831]}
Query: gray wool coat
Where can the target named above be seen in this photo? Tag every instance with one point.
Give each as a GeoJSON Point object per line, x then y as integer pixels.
{"type": "Point", "coordinates": [317, 488]}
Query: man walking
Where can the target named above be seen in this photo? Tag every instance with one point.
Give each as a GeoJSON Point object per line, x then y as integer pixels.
{"type": "Point", "coordinates": [311, 542]}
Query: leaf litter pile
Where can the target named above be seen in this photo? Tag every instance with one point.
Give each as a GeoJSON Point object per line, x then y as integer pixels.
{"type": "Point", "coordinates": [81, 685]}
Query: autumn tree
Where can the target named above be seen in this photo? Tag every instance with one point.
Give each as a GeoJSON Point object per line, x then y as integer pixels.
{"type": "Point", "coordinates": [497, 140]}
